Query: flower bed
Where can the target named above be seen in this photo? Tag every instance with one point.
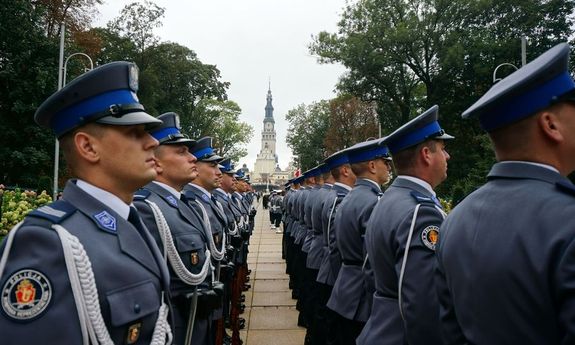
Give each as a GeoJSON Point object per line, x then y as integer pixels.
{"type": "Point", "coordinates": [16, 204]}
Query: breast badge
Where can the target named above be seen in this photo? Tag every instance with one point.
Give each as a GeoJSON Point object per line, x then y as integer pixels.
{"type": "Point", "coordinates": [194, 258]}
{"type": "Point", "coordinates": [133, 333]}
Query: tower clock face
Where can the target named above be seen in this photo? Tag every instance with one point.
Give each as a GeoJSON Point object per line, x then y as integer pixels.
{"type": "Point", "coordinates": [268, 125]}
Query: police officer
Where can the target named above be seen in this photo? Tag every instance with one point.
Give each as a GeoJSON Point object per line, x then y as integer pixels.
{"type": "Point", "coordinates": [344, 179]}
{"type": "Point", "coordinates": [177, 230]}
{"type": "Point", "coordinates": [200, 192]}
{"type": "Point", "coordinates": [233, 214]}
{"type": "Point", "coordinates": [352, 292]}
{"type": "Point", "coordinates": [84, 269]}
{"type": "Point", "coordinates": [506, 253]}
{"type": "Point", "coordinates": [401, 237]}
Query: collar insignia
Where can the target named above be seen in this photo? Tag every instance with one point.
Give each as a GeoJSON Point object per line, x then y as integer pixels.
{"type": "Point", "coordinates": [172, 200]}
{"type": "Point", "coordinates": [106, 220]}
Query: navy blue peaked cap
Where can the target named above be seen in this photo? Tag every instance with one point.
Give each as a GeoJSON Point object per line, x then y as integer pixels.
{"type": "Point", "coordinates": [367, 151]}
{"type": "Point", "coordinates": [169, 131]}
{"type": "Point", "coordinates": [323, 168]}
{"type": "Point", "coordinates": [204, 151]}
{"type": "Point", "coordinates": [313, 172]}
{"type": "Point", "coordinates": [337, 159]}
{"type": "Point", "coordinates": [416, 131]}
{"type": "Point", "coordinates": [227, 167]}
{"type": "Point", "coordinates": [528, 90]}
{"type": "Point", "coordinates": [106, 94]}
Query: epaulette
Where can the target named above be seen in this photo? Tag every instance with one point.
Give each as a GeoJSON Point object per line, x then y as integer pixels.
{"type": "Point", "coordinates": [566, 187]}
{"type": "Point", "coordinates": [142, 194]}
{"type": "Point", "coordinates": [190, 195]}
{"type": "Point", "coordinates": [421, 198]}
{"type": "Point", "coordinates": [55, 212]}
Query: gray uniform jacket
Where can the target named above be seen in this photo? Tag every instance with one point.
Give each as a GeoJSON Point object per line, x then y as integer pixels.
{"type": "Point", "coordinates": [316, 252]}
{"type": "Point", "coordinates": [216, 217]}
{"type": "Point", "coordinates": [313, 194]}
{"type": "Point", "coordinates": [386, 242]}
{"type": "Point", "coordinates": [331, 263]}
{"type": "Point", "coordinates": [37, 302]}
{"type": "Point", "coordinates": [188, 234]}
{"type": "Point", "coordinates": [352, 293]}
{"type": "Point", "coordinates": [189, 237]}
{"type": "Point", "coordinates": [301, 229]}
{"type": "Point", "coordinates": [506, 260]}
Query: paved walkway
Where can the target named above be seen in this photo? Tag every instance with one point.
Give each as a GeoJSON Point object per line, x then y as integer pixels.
{"type": "Point", "coordinates": [271, 316]}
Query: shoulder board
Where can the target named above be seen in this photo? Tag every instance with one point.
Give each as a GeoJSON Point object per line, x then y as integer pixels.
{"type": "Point", "coordinates": [190, 195]}
{"type": "Point", "coordinates": [566, 187]}
{"type": "Point", "coordinates": [142, 194]}
{"type": "Point", "coordinates": [341, 195]}
{"type": "Point", "coordinates": [421, 198]}
{"type": "Point", "coordinates": [55, 212]}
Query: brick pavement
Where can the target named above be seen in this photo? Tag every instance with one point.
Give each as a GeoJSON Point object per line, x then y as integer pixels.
{"type": "Point", "coordinates": [271, 316]}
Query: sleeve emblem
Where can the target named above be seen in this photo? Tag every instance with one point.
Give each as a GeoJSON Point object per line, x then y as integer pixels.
{"type": "Point", "coordinates": [429, 236]}
{"type": "Point", "coordinates": [26, 295]}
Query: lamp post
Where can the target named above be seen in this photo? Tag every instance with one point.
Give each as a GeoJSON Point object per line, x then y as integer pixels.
{"type": "Point", "coordinates": [523, 59]}
{"type": "Point", "coordinates": [62, 69]}
{"type": "Point", "coordinates": [495, 79]}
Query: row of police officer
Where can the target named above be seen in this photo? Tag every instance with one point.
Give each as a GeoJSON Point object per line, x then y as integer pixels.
{"type": "Point", "coordinates": [374, 267]}
{"type": "Point", "coordinates": [148, 244]}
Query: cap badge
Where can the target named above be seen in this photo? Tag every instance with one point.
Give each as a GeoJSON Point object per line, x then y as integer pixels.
{"type": "Point", "coordinates": [133, 77]}
{"type": "Point", "coordinates": [429, 236]}
{"type": "Point", "coordinates": [26, 295]}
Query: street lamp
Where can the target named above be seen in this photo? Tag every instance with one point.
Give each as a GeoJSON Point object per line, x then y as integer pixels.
{"type": "Point", "coordinates": [62, 69]}
{"type": "Point", "coordinates": [523, 59]}
{"type": "Point", "coordinates": [495, 79]}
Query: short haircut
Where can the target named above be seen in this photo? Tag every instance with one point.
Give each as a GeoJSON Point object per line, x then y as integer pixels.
{"type": "Point", "coordinates": [404, 160]}
{"type": "Point", "coordinates": [360, 168]}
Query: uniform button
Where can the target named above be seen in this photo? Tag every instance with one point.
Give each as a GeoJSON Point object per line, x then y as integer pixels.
{"type": "Point", "coordinates": [137, 308]}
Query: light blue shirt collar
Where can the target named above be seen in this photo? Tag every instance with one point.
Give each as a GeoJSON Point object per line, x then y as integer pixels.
{"type": "Point", "coordinates": [419, 181]}
{"type": "Point", "coordinates": [342, 185]}
{"type": "Point", "coordinates": [202, 189]}
{"type": "Point", "coordinates": [172, 190]}
{"type": "Point", "coordinates": [546, 166]}
{"type": "Point", "coordinates": [106, 198]}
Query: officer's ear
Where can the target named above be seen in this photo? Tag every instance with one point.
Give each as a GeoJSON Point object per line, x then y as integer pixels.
{"type": "Point", "coordinates": [550, 123]}
{"type": "Point", "coordinates": [87, 146]}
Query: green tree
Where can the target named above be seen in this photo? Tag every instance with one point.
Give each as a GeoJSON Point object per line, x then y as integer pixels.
{"type": "Point", "coordinates": [409, 55]}
{"type": "Point", "coordinates": [28, 74]}
{"type": "Point", "coordinates": [306, 133]}
{"type": "Point", "coordinates": [137, 22]}
{"type": "Point", "coordinates": [220, 120]}
{"type": "Point", "coordinates": [350, 121]}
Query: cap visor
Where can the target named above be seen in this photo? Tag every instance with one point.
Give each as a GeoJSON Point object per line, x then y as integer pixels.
{"type": "Point", "coordinates": [445, 136]}
{"type": "Point", "coordinates": [213, 158]}
{"type": "Point", "coordinates": [132, 119]}
{"type": "Point", "coordinates": [180, 141]}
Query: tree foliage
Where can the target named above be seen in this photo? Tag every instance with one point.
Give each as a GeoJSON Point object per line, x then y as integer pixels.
{"type": "Point", "coordinates": [308, 125]}
{"type": "Point", "coordinates": [407, 55]}
{"type": "Point", "coordinates": [220, 120]}
{"type": "Point", "coordinates": [172, 78]}
{"type": "Point", "coordinates": [350, 121]}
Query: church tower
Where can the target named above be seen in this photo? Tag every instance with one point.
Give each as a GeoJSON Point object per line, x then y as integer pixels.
{"type": "Point", "coordinates": [267, 159]}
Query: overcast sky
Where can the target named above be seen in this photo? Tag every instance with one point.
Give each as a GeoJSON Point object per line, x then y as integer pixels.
{"type": "Point", "coordinates": [251, 41]}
